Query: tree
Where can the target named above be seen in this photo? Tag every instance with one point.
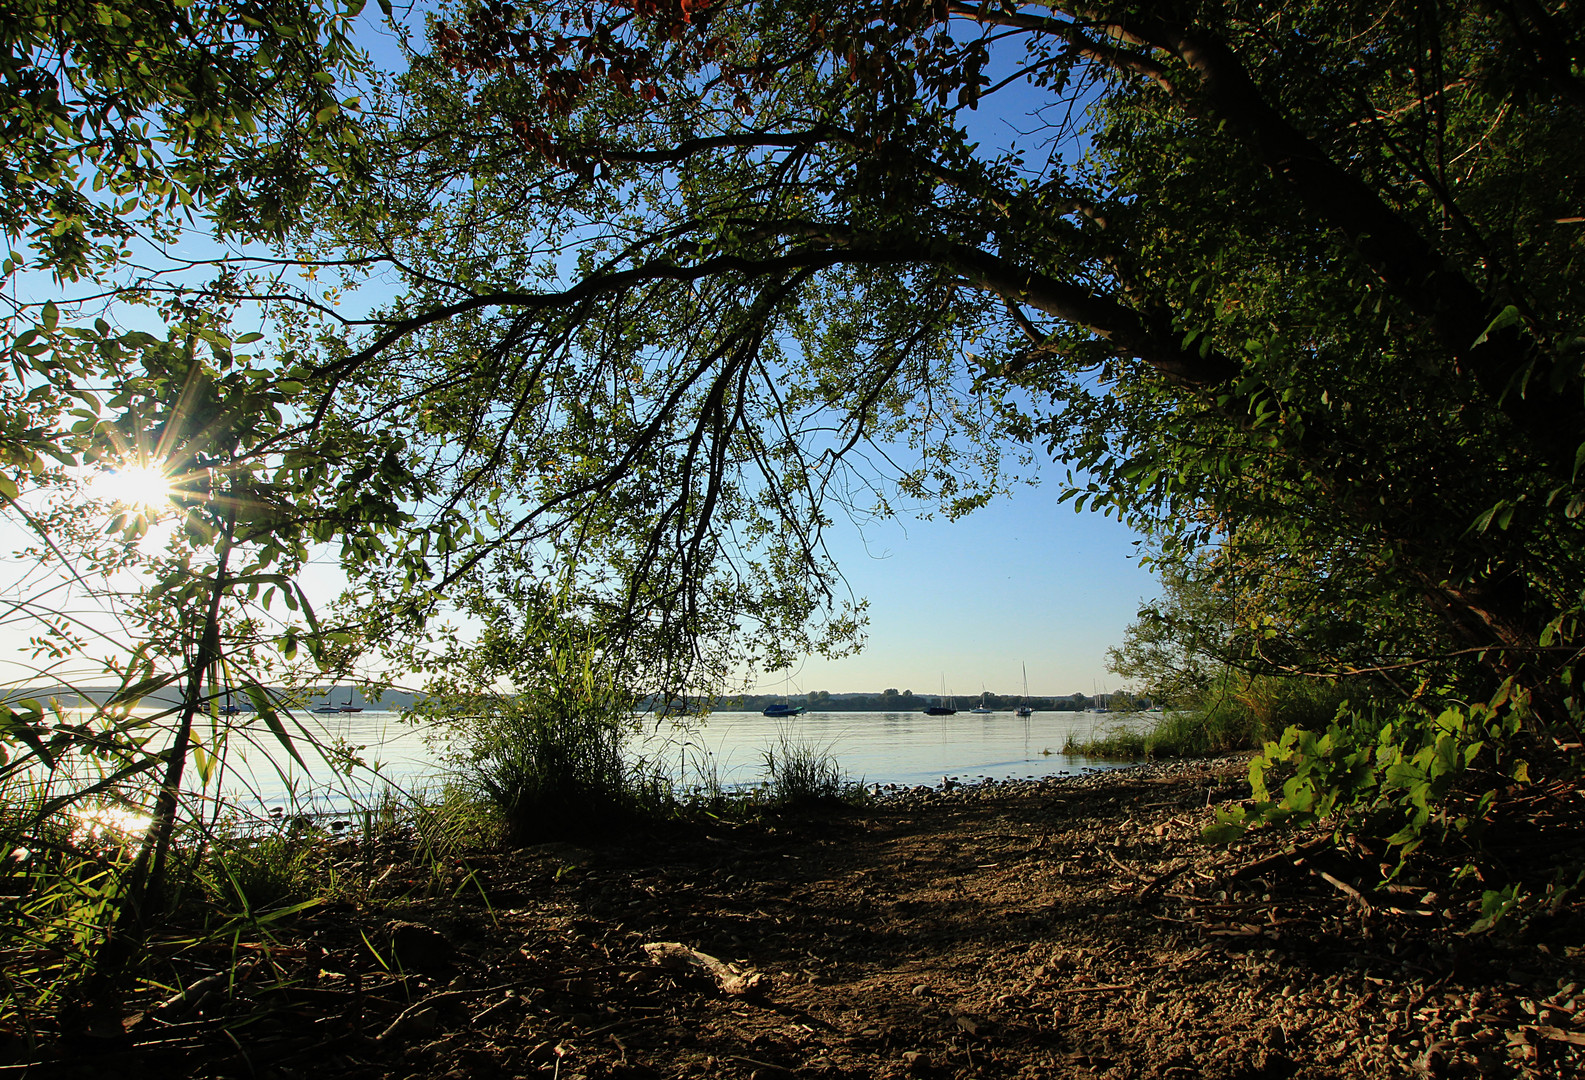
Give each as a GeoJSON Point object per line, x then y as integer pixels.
{"type": "Point", "coordinates": [1180, 642]}
{"type": "Point", "coordinates": [125, 126]}
{"type": "Point", "coordinates": [1296, 287]}
{"type": "Point", "coordinates": [121, 118]}
{"type": "Point", "coordinates": [676, 283]}
{"type": "Point", "coordinates": [124, 123]}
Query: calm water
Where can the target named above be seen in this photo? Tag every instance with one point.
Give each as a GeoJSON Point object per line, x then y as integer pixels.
{"type": "Point", "coordinates": [884, 748]}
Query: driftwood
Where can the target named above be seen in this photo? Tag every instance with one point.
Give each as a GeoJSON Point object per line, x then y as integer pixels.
{"type": "Point", "coordinates": [1105, 989]}
{"type": "Point", "coordinates": [674, 954]}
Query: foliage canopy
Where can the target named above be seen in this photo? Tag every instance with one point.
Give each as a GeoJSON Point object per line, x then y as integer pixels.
{"type": "Point", "coordinates": [1297, 284]}
{"type": "Point", "coordinates": [660, 287]}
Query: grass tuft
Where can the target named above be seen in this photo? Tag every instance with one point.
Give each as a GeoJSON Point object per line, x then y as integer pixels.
{"type": "Point", "coordinates": [801, 774]}
{"type": "Point", "coordinates": [562, 777]}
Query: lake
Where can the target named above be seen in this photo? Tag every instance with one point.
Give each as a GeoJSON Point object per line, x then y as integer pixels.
{"type": "Point", "coordinates": [887, 748]}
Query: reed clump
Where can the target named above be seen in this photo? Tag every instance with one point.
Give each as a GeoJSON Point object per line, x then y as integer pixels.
{"type": "Point", "coordinates": [800, 774]}
{"type": "Point", "coordinates": [547, 777]}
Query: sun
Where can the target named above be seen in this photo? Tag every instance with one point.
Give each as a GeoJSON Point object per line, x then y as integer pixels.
{"type": "Point", "coordinates": [141, 487]}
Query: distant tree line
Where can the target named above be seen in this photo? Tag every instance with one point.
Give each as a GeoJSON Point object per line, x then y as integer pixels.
{"type": "Point", "coordinates": [893, 700]}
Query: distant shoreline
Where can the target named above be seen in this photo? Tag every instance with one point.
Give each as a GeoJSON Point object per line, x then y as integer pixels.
{"type": "Point", "coordinates": [397, 701]}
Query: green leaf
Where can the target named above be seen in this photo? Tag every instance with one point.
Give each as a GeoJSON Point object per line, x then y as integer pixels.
{"type": "Point", "coordinates": [134, 693]}
{"type": "Point", "coordinates": [265, 709]}
{"type": "Point", "coordinates": [20, 726]}
{"type": "Point", "coordinates": [1230, 825]}
{"type": "Point", "coordinates": [204, 762]}
{"type": "Point", "coordinates": [1507, 317]}
{"type": "Point", "coordinates": [1495, 905]}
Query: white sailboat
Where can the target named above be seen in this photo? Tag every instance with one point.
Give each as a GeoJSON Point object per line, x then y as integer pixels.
{"type": "Point", "coordinates": [1023, 702]}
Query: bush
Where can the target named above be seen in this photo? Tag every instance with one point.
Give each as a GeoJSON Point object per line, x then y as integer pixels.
{"type": "Point", "coordinates": [1238, 714]}
{"type": "Point", "coordinates": [1405, 774]}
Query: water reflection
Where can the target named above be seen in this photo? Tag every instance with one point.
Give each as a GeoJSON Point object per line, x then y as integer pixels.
{"type": "Point", "coordinates": [97, 821]}
{"type": "Point", "coordinates": [904, 749]}
{"type": "Point", "coordinates": [890, 748]}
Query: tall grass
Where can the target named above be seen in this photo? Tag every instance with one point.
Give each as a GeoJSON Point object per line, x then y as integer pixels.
{"type": "Point", "coordinates": [59, 890]}
{"type": "Point", "coordinates": [235, 880]}
{"type": "Point", "coordinates": [557, 776]}
{"type": "Point", "coordinates": [801, 774]}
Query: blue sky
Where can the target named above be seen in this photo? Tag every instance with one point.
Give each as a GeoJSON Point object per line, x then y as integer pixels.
{"type": "Point", "coordinates": [1022, 581]}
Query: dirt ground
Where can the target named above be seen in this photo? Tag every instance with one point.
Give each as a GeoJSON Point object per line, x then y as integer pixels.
{"type": "Point", "coordinates": [1063, 928]}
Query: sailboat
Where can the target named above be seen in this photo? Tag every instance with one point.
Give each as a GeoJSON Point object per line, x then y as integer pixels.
{"type": "Point", "coordinates": [1023, 702]}
{"type": "Point", "coordinates": [330, 705]}
{"type": "Point", "coordinates": [982, 709]}
{"type": "Point", "coordinates": [947, 707]}
{"type": "Point", "coordinates": [784, 707]}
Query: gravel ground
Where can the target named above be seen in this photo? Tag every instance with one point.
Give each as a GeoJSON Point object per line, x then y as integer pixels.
{"type": "Point", "coordinates": [1071, 927]}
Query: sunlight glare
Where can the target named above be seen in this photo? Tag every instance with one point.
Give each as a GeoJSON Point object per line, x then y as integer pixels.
{"type": "Point", "coordinates": [94, 822]}
{"type": "Point", "coordinates": [144, 487]}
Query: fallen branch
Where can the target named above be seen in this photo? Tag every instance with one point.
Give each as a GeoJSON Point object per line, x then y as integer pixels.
{"type": "Point", "coordinates": [674, 954]}
{"type": "Point", "coordinates": [1093, 989]}
{"type": "Point", "coordinates": [780, 1070]}
{"type": "Point", "coordinates": [1162, 879]}
{"type": "Point", "coordinates": [421, 1014]}
{"type": "Point", "coordinates": [1556, 1034]}
{"type": "Point", "coordinates": [1345, 888]}
{"type": "Point", "coordinates": [617, 1025]}
{"type": "Point", "coordinates": [1295, 855]}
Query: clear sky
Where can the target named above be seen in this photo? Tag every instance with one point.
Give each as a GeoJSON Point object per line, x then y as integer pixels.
{"type": "Point", "coordinates": [1022, 581]}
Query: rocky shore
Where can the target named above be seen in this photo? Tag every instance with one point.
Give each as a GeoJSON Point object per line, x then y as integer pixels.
{"type": "Point", "coordinates": [1069, 927]}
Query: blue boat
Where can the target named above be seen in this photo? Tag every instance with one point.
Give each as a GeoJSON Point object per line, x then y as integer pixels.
{"type": "Point", "coordinates": [783, 709]}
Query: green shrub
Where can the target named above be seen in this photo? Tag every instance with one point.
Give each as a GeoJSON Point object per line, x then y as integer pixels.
{"type": "Point", "coordinates": [1239, 713]}
{"type": "Point", "coordinates": [1406, 774]}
